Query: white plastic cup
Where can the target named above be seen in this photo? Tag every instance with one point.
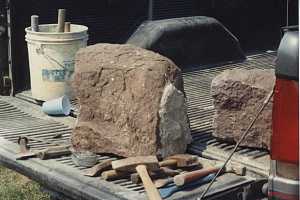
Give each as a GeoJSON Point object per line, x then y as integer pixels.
{"type": "Point", "coordinates": [60, 106]}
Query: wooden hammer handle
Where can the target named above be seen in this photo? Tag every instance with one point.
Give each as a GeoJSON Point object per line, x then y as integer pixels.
{"type": "Point", "coordinates": [168, 163]}
{"type": "Point", "coordinates": [61, 20]}
{"type": "Point", "coordinates": [189, 177]}
{"type": "Point", "coordinates": [149, 186]}
{"type": "Point", "coordinates": [111, 175]}
{"type": "Point", "coordinates": [53, 152]}
{"type": "Point", "coordinates": [67, 26]}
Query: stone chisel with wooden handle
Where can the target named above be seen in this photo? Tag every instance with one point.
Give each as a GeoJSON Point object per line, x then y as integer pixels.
{"type": "Point", "coordinates": [189, 177]}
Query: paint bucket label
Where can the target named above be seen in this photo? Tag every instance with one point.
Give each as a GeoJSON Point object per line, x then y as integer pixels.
{"type": "Point", "coordinates": [56, 75]}
{"type": "Point", "coordinates": [59, 75]}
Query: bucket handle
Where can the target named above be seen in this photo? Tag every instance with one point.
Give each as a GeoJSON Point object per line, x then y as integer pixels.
{"type": "Point", "coordinates": [41, 51]}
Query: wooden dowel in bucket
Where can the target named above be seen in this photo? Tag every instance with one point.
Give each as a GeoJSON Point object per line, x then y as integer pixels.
{"type": "Point", "coordinates": [35, 23]}
{"type": "Point", "coordinates": [61, 20]}
{"type": "Point", "coordinates": [67, 26]}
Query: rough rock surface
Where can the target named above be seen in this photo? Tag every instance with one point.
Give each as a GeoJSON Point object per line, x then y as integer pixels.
{"type": "Point", "coordinates": [237, 96]}
{"type": "Point", "coordinates": [131, 102]}
{"type": "Point", "coordinates": [173, 121]}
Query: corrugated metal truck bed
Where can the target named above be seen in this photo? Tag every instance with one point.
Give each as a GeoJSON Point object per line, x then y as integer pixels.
{"type": "Point", "coordinates": [19, 117]}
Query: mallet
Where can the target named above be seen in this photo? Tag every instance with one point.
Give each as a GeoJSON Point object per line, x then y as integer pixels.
{"type": "Point", "coordinates": [140, 164]}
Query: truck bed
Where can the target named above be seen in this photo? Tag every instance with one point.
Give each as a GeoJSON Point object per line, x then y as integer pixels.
{"type": "Point", "coordinates": [21, 115]}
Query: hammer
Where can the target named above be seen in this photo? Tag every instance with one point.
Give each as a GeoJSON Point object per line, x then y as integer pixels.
{"type": "Point", "coordinates": [140, 164]}
{"type": "Point", "coordinates": [180, 160]}
{"type": "Point", "coordinates": [176, 161]}
{"type": "Point", "coordinates": [192, 176]}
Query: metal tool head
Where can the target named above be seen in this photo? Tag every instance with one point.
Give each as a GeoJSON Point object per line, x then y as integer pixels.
{"type": "Point", "coordinates": [23, 144]}
{"type": "Point", "coordinates": [184, 160]}
{"type": "Point", "coordinates": [130, 164]}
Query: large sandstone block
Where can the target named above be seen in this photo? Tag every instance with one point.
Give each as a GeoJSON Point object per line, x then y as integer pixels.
{"type": "Point", "coordinates": [237, 95]}
{"type": "Point", "coordinates": [131, 102]}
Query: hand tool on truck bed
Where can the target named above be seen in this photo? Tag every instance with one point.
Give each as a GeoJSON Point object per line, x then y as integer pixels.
{"type": "Point", "coordinates": [23, 144]}
{"type": "Point", "coordinates": [98, 169]}
{"type": "Point", "coordinates": [46, 141]}
{"type": "Point", "coordinates": [238, 143]}
{"type": "Point", "coordinates": [163, 172]}
{"type": "Point", "coordinates": [172, 188]}
{"type": "Point", "coordinates": [159, 183]}
{"type": "Point", "coordinates": [141, 164]}
{"type": "Point", "coordinates": [136, 179]}
{"type": "Point", "coordinates": [111, 175]}
{"type": "Point", "coordinates": [48, 153]}
{"type": "Point", "coordinates": [53, 152]}
{"type": "Point", "coordinates": [192, 176]}
{"type": "Point", "coordinates": [180, 160]}
{"type": "Point", "coordinates": [170, 172]}
{"type": "Point", "coordinates": [185, 161]}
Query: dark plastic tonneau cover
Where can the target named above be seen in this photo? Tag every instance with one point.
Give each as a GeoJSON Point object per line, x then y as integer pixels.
{"type": "Point", "coordinates": [189, 40]}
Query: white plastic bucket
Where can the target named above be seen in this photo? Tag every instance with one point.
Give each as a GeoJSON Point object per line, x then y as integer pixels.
{"type": "Point", "coordinates": [52, 59]}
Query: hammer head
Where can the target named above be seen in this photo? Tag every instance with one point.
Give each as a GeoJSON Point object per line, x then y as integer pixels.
{"type": "Point", "coordinates": [23, 143]}
{"type": "Point", "coordinates": [236, 169]}
{"type": "Point", "coordinates": [184, 160]}
{"type": "Point", "coordinates": [130, 164]}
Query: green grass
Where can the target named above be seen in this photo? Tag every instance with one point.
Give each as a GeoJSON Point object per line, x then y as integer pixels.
{"type": "Point", "coordinates": [14, 186]}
